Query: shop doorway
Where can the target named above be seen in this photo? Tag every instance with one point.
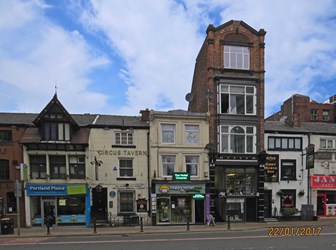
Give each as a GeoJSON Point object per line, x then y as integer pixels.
{"type": "Point", "coordinates": [49, 209]}
{"type": "Point", "coordinates": [199, 211]}
{"type": "Point", "coordinates": [163, 208]}
{"type": "Point", "coordinates": [99, 203]}
{"type": "Point", "coordinates": [321, 204]}
{"type": "Point", "coordinates": [268, 204]}
{"type": "Point", "coordinates": [251, 209]}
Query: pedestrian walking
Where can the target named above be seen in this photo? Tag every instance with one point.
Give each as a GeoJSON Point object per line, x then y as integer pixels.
{"type": "Point", "coordinates": [211, 220]}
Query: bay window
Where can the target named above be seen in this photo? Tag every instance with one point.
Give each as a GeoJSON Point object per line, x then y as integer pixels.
{"type": "Point", "coordinates": [238, 139]}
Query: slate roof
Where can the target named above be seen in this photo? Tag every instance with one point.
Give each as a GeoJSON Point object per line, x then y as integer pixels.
{"type": "Point", "coordinates": [83, 120]}
{"type": "Point", "coordinates": [305, 127]}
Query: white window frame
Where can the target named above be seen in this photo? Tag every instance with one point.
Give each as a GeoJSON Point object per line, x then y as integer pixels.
{"type": "Point", "coordinates": [232, 93]}
{"type": "Point", "coordinates": [168, 132]}
{"type": "Point", "coordinates": [327, 143]}
{"type": "Point", "coordinates": [124, 138]}
{"type": "Point", "coordinates": [227, 141]}
{"type": "Point", "coordinates": [191, 134]}
{"type": "Point", "coordinates": [236, 57]}
{"type": "Point", "coordinates": [127, 168]}
{"type": "Point", "coordinates": [166, 164]}
{"type": "Point", "coordinates": [192, 162]}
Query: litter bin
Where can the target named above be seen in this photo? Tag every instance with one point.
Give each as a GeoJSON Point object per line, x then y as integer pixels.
{"type": "Point", "coordinates": [7, 226]}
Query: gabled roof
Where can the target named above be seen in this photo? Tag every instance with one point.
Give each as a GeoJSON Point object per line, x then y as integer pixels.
{"type": "Point", "coordinates": [242, 23]}
{"type": "Point", "coordinates": [55, 104]}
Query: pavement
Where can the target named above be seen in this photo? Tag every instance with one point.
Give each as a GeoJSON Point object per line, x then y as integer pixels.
{"type": "Point", "coordinates": [126, 230]}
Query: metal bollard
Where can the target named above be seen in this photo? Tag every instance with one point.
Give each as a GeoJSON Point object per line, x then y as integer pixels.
{"type": "Point", "coordinates": [48, 228]}
{"type": "Point", "coordinates": [188, 228]}
{"type": "Point", "coordinates": [141, 225]}
{"type": "Point", "coordinates": [94, 226]}
{"type": "Point", "coordinates": [228, 226]}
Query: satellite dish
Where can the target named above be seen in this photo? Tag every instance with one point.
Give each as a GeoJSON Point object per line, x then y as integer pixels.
{"type": "Point", "coordinates": [189, 97]}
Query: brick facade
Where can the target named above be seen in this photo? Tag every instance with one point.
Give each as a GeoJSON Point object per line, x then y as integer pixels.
{"type": "Point", "coordinates": [209, 75]}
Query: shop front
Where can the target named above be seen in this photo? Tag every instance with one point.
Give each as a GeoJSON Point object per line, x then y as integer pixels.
{"type": "Point", "coordinates": [325, 187]}
{"type": "Point", "coordinates": [177, 203]}
{"type": "Point", "coordinates": [65, 203]}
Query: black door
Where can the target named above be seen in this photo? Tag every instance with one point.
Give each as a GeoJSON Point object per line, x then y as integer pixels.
{"type": "Point", "coordinates": [99, 203]}
{"type": "Point", "coordinates": [251, 209]}
{"type": "Point", "coordinates": [199, 211]}
{"type": "Point", "coordinates": [268, 204]}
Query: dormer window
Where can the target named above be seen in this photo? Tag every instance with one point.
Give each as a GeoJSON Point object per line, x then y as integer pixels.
{"type": "Point", "coordinates": [53, 131]}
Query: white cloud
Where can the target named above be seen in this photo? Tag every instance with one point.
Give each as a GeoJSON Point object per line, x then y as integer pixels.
{"type": "Point", "coordinates": [36, 54]}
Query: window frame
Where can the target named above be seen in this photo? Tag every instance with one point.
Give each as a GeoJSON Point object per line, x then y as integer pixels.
{"type": "Point", "coordinates": [235, 59]}
{"type": "Point", "coordinates": [228, 139]}
{"type": "Point", "coordinates": [325, 114]}
{"type": "Point", "coordinates": [165, 173]}
{"type": "Point", "coordinates": [228, 99]}
{"type": "Point", "coordinates": [191, 133]}
{"type": "Point", "coordinates": [6, 136]}
{"type": "Point", "coordinates": [4, 170]}
{"type": "Point", "coordinates": [38, 165]}
{"type": "Point", "coordinates": [189, 164]}
{"type": "Point", "coordinates": [56, 131]}
{"type": "Point", "coordinates": [314, 114]}
{"type": "Point", "coordinates": [168, 131]}
{"type": "Point", "coordinates": [275, 143]}
{"type": "Point", "coordinates": [287, 193]}
{"type": "Point", "coordinates": [124, 138]}
{"type": "Point", "coordinates": [126, 201]}
{"type": "Point", "coordinates": [126, 168]}
{"type": "Point", "coordinates": [11, 202]}
{"type": "Point", "coordinates": [77, 166]}
{"type": "Point", "coordinates": [284, 167]}
{"type": "Point", "coordinates": [57, 165]}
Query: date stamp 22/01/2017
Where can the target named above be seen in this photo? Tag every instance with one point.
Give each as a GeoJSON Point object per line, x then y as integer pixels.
{"type": "Point", "coordinates": [294, 231]}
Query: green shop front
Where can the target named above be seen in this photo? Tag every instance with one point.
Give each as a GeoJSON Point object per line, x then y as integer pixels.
{"type": "Point", "coordinates": [65, 203]}
{"type": "Point", "coordinates": [178, 203]}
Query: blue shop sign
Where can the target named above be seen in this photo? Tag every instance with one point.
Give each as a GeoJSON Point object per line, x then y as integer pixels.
{"type": "Point", "coordinates": [46, 189]}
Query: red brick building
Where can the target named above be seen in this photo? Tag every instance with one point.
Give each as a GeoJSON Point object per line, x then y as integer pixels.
{"type": "Point", "coordinates": [11, 157]}
{"type": "Point", "coordinates": [300, 108]}
{"type": "Point", "coordinates": [228, 83]}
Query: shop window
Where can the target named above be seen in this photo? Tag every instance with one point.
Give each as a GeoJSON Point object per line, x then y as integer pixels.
{"type": "Point", "coordinates": [168, 133]}
{"type": "Point", "coordinates": [288, 170]}
{"type": "Point", "coordinates": [126, 202]}
{"type": "Point", "coordinates": [191, 134]}
{"type": "Point", "coordinates": [238, 139]}
{"type": "Point", "coordinates": [57, 167]}
{"type": "Point", "coordinates": [71, 209]}
{"type": "Point", "coordinates": [168, 165]}
{"type": "Point", "coordinates": [77, 167]}
{"type": "Point", "coordinates": [288, 199]}
{"type": "Point", "coordinates": [180, 209]}
{"type": "Point", "coordinates": [11, 202]}
{"type": "Point", "coordinates": [240, 181]}
{"type": "Point", "coordinates": [124, 138]}
{"type": "Point", "coordinates": [38, 168]}
{"type": "Point", "coordinates": [4, 170]}
{"type": "Point", "coordinates": [236, 57]}
{"type": "Point", "coordinates": [237, 100]}
{"type": "Point", "coordinates": [5, 136]}
{"type": "Point", "coordinates": [125, 167]}
{"type": "Point", "coordinates": [192, 165]}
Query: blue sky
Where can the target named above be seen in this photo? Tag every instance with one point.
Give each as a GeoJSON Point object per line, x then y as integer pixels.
{"type": "Point", "coordinates": [122, 56]}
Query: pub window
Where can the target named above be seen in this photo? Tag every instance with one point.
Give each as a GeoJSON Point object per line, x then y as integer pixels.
{"type": "Point", "coordinates": [288, 199]}
{"type": "Point", "coordinates": [57, 167]}
{"type": "Point", "coordinates": [288, 170]}
{"type": "Point", "coordinates": [126, 202]}
{"type": "Point", "coordinates": [4, 170]}
{"type": "Point", "coordinates": [5, 136]}
{"type": "Point", "coordinates": [38, 168]}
